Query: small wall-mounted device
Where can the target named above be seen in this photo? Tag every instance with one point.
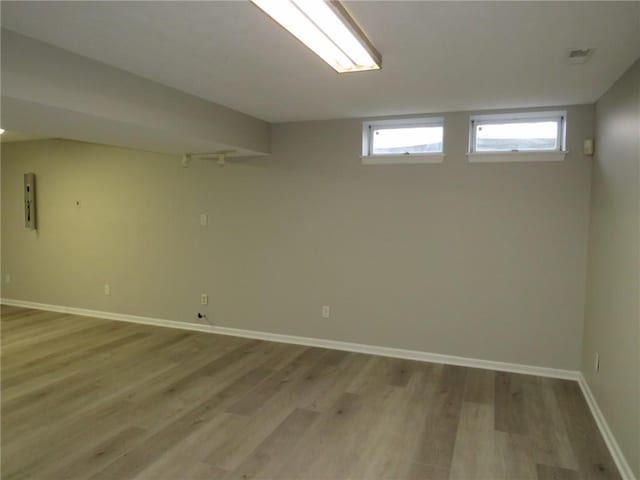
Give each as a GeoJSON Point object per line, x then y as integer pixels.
{"type": "Point", "coordinates": [30, 201]}
{"type": "Point", "coordinates": [588, 146]}
{"type": "Point", "coordinates": [578, 56]}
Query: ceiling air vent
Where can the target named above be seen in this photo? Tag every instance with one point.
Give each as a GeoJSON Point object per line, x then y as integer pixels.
{"type": "Point", "coordinates": [576, 56]}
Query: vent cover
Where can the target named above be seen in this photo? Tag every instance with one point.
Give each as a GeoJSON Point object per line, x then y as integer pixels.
{"type": "Point", "coordinates": [576, 56]}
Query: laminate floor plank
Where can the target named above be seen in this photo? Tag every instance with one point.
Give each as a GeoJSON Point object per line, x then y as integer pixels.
{"type": "Point", "coordinates": [510, 403]}
{"type": "Point", "coordinates": [84, 398]}
{"type": "Point", "coordinates": [547, 472]}
{"type": "Point", "coordinates": [389, 449]}
{"type": "Point", "coordinates": [48, 448]}
{"type": "Point", "coordinates": [87, 461]}
{"type": "Point", "coordinates": [273, 452]}
{"type": "Point", "coordinates": [48, 359]}
{"type": "Point", "coordinates": [473, 453]}
{"type": "Point", "coordinates": [61, 326]}
{"type": "Point", "coordinates": [49, 372]}
{"type": "Point", "coordinates": [194, 447]}
{"type": "Point", "coordinates": [102, 360]}
{"type": "Point", "coordinates": [513, 457]}
{"type": "Point", "coordinates": [322, 440]}
{"type": "Point", "coordinates": [550, 442]}
{"type": "Point", "coordinates": [350, 367]}
{"type": "Point", "coordinates": [10, 310]}
{"type": "Point", "coordinates": [440, 426]}
{"type": "Point", "coordinates": [34, 317]}
{"type": "Point", "coordinates": [480, 386]}
{"type": "Point", "coordinates": [172, 395]}
{"type": "Point", "coordinates": [99, 361]}
{"type": "Point", "coordinates": [297, 387]}
{"type": "Point", "coordinates": [154, 447]}
{"type": "Point", "coordinates": [420, 471]}
{"type": "Point", "coordinates": [352, 422]}
{"type": "Point", "coordinates": [592, 456]}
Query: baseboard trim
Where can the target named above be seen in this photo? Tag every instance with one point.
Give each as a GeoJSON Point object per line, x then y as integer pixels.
{"type": "Point", "coordinates": [308, 341]}
{"type": "Point", "coordinates": [623, 466]}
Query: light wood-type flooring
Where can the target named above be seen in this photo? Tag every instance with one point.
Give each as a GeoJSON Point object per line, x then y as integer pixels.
{"type": "Point", "coordinates": [84, 398]}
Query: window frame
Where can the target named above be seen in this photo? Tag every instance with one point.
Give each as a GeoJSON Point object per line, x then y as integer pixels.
{"type": "Point", "coordinates": [519, 117]}
{"type": "Point", "coordinates": [370, 127]}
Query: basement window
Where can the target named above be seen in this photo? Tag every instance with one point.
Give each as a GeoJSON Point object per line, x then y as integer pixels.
{"type": "Point", "coordinates": [523, 136]}
{"type": "Point", "coordinates": [402, 141]}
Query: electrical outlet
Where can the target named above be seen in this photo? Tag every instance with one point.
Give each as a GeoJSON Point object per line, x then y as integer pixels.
{"type": "Point", "coordinates": [107, 289]}
{"type": "Point", "coordinates": [7, 278]}
{"type": "Point", "coordinates": [596, 364]}
{"type": "Point", "coordinates": [204, 299]}
{"type": "Point", "coordinates": [204, 219]}
{"type": "Point", "coordinates": [326, 311]}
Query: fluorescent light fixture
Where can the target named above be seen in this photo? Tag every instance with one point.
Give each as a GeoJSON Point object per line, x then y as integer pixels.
{"type": "Point", "coordinates": [327, 29]}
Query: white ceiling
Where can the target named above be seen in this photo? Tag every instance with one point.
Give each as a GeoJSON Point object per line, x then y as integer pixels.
{"type": "Point", "coordinates": [437, 56]}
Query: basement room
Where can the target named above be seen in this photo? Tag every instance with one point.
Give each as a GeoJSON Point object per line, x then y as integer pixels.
{"type": "Point", "coordinates": [320, 240]}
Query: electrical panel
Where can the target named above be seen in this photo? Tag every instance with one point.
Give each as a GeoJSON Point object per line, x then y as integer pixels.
{"type": "Point", "coordinates": [30, 201]}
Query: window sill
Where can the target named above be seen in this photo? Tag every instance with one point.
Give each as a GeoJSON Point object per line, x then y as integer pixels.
{"type": "Point", "coordinates": [413, 159]}
{"type": "Point", "coordinates": [495, 157]}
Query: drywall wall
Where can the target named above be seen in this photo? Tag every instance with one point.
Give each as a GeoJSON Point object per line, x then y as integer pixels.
{"type": "Point", "coordinates": [478, 260]}
{"type": "Point", "coordinates": [612, 322]}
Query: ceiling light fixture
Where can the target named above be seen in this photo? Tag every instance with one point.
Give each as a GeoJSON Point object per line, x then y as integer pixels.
{"type": "Point", "coordinates": [327, 29]}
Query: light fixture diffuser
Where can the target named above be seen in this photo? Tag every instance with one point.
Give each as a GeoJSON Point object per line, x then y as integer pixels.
{"type": "Point", "coordinates": [327, 29]}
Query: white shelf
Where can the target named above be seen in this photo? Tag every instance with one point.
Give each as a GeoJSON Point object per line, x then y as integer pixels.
{"type": "Point", "coordinates": [498, 157]}
{"type": "Point", "coordinates": [411, 159]}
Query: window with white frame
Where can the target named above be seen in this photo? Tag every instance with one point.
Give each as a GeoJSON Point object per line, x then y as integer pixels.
{"type": "Point", "coordinates": [518, 132]}
{"type": "Point", "coordinates": [393, 141]}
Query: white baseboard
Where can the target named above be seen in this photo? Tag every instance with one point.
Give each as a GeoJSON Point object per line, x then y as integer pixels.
{"type": "Point", "coordinates": [612, 444]}
{"type": "Point", "coordinates": [623, 466]}
{"type": "Point", "coordinates": [309, 341]}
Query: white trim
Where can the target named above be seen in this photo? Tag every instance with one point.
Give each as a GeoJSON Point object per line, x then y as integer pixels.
{"type": "Point", "coordinates": [518, 157]}
{"type": "Point", "coordinates": [437, 121]}
{"type": "Point", "coordinates": [560, 117]}
{"type": "Point", "coordinates": [623, 466]}
{"type": "Point", "coordinates": [308, 341]}
{"type": "Point", "coordinates": [369, 126]}
{"type": "Point", "coordinates": [411, 159]}
{"type": "Point", "coordinates": [519, 116]}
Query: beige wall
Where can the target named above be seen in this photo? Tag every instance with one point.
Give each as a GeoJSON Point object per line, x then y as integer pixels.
{"type": "Point", "coordinates": [478, 260]}
{"type": "Point", "coordinates": [612, 324]}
